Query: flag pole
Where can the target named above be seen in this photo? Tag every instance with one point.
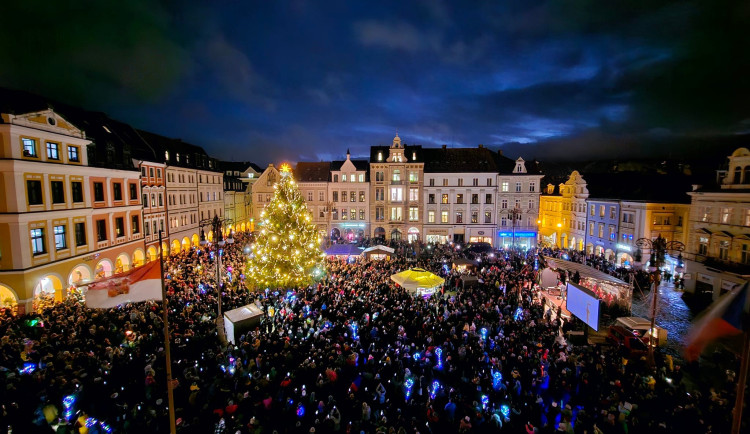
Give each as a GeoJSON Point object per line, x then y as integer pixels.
{"type": "Point", "coordinates": [165, 308]}
{"type": "Point", "coordinates": [739, 401]}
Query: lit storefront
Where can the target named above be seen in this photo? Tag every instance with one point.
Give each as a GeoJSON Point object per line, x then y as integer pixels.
{"type": "Point", "coordinates": [437, 235]}
{"type": "Point", "coordinates": [521, 239]}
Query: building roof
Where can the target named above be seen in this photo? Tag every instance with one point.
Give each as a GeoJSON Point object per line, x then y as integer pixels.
{"type": "Point", "coordinates": [507, 165]}
{"type": "Point", "coordinates": [459, 160]}
{"type": "Point", "coordinates": [409, 152]}
{"type": "Point", "coordinates": [312, 171]}
{"type": "Point", "coordinates": [358, 164]}
{"type": "Point", "coordinates": [113, 142]}
{"type": "Point", "coordinates": [639, 187]}
{"type": "Point", "coordinates": [191, 155]}
{"type": "Point", "coordinates": [238, 166]}
{"type": "Point", "coordinates": [19, 102]}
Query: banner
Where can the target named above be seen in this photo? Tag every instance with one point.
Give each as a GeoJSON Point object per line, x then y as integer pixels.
{"type": "Point", "coordinates": [139, 284]}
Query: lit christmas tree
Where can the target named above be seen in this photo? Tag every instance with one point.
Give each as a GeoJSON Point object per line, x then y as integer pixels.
{"type": "Point", "coordinates": [286, 252]}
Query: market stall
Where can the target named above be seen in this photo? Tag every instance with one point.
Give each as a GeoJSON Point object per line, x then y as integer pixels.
{"type": "Point", "coordinates": [418, 281]}
{"type": "Point", "coordinates": [378, 252]}
{"type": "Point", "coordinates": [615, 294]}
{"type": "Point", "coordinates": [240, 321]}
{"type": "Point", "coordinates": [344, 251]}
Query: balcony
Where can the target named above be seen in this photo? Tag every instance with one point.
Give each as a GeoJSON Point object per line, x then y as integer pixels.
{"type": "Point", "coordinates": [395, 182]}
{"type": "Point", "coordinates": [724, 265]}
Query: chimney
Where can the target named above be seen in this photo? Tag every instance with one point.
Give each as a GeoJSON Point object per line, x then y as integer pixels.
{"type": "Point", "coordinates": [500, 152]}
{"type": "Point", "coordinates": [445, 146]}
{"type": "Point", "coordinates": [481, 146]}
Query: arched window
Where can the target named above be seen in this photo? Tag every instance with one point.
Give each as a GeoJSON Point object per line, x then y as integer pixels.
{"type": "Point", "coordinates": [746, 177]}
{"type": "Point", "coordinates": [738, 175]}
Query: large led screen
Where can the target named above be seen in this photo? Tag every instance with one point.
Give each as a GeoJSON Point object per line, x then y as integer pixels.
{"type": "Point", "coordinates": [584, 305]}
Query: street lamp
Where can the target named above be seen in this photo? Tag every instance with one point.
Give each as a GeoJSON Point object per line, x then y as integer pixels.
{"type": "Point", "coordinates": [216, 226]}
{"type": "Point", "coordinates": [658, 248]}
{"type": "Point", "coordinates": [514, 214]}
{"type": "Point", "coordinates": [559, 234]}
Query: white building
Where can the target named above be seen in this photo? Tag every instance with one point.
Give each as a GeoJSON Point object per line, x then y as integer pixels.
{"type": "Point", "coordinates": [349, 195]}
{"type": "Point", "coordinates": [459, 195]}
{"type": "Point", "coordinates": [518, 192]}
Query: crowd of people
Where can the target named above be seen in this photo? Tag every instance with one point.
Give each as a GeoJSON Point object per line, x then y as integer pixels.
{"type": "Point", "coordinates": [350, 353]}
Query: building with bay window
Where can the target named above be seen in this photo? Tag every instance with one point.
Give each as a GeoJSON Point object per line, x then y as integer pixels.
{"type": "Point", "coordinates": [396, 176]}
{"type": "Point", "coordinates": [718, 246]}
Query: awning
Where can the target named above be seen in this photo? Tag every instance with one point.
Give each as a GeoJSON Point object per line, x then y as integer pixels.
{"type": "Point", "coordinates": [417, 279]}
{"type": "Point", "coordinates": [583, 270]}
{"type": "Point", "coordinates": [344, 250]}
{"type": "Point", "coordinates": [378, 249]}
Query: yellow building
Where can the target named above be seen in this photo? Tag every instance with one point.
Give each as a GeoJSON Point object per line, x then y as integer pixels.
{"type": "Point", "coordinates": [62, 221]}
{"type": "Point", "coordinates": [562, 213]}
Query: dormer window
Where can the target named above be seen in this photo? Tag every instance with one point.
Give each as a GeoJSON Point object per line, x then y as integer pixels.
{"type": "Point", "coordinates": [414, 156]}
{"type": "Point", "coordinates": [166, 155]}
{"type": "Point", "coordinates": [380, 156]}
{"type": "Point", "coordinates": [177, 157]}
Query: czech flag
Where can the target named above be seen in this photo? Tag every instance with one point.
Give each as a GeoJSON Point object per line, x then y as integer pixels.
{"type": "Point", "coordinates": [139, 284]}
{"type": "Point", "coordinates": [724, 318]}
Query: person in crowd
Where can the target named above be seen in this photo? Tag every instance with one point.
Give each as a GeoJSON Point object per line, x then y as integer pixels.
{"type": "Point", "coordinates": [351, 353]}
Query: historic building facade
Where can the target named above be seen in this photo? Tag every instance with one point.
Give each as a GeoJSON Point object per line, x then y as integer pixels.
{"type": "Point", "coordinates": [718, 247]}
{"type": "Point", "coordinates": [262, 191]}
{"type": "Point", "coordinates": [459, 195]}
{"type": "Point", "coordinates": [396, 183]}
{"type": "Point", "coordinates": [518, 193]}
{"type": "Point", "coordinates": [349, 196]}
{"type": "Point", "coordinates": [312, 179]}
{"type": "Point", "coordinates": [563, 213]}
{"type": "Point", "coordinates": [63, 222]}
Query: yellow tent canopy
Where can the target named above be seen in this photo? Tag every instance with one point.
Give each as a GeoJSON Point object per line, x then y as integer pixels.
{"type": "Point", "coordinates": [418, 281]}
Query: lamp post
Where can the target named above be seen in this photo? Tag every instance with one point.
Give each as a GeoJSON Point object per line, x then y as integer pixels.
{"type": "Point", "coordinates": [514, 214]}
{"type": "Point", "coordinates": [559, 234]}
{"type": "Point", "coordinates": [658, 249]}
{"type": "Point", "coordinates": [216, 226]}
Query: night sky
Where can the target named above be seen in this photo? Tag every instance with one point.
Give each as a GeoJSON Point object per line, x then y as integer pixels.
{"type": "Point", "coordinates": [271, 80]}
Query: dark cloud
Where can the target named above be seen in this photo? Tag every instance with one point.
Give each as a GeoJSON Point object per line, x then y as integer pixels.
{"type": "Point", "coordinates": [295, 80]}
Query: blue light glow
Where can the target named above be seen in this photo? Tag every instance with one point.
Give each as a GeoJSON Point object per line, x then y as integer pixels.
{"type": "Point", "coordinates": [28, 368]}
{"type": "Point", "coordinates": [355, 330]}
{"type": "Point", "coordinates": [497, 379]}
{"type": "Point", "coordinates": [408, 384]}
{"type": "Point", "coordinates": [483, 332]}
{"type": "Point", "coordinates": [434, 389]}
{"type": "Point", "coordinates": [300, 410]}
{"type": "Point", "coordinates": [68, 403]}
{"type": "Point", "coordinates": [518, 315]}
{"type": "Point", "coordinates": [417, 356]}
{"type": "Point", "coordinates": [505, 410]}
{"type": "Point", "coordinates": [485, 401]}
{"type": "Point", "coordinates": [439, 354]}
